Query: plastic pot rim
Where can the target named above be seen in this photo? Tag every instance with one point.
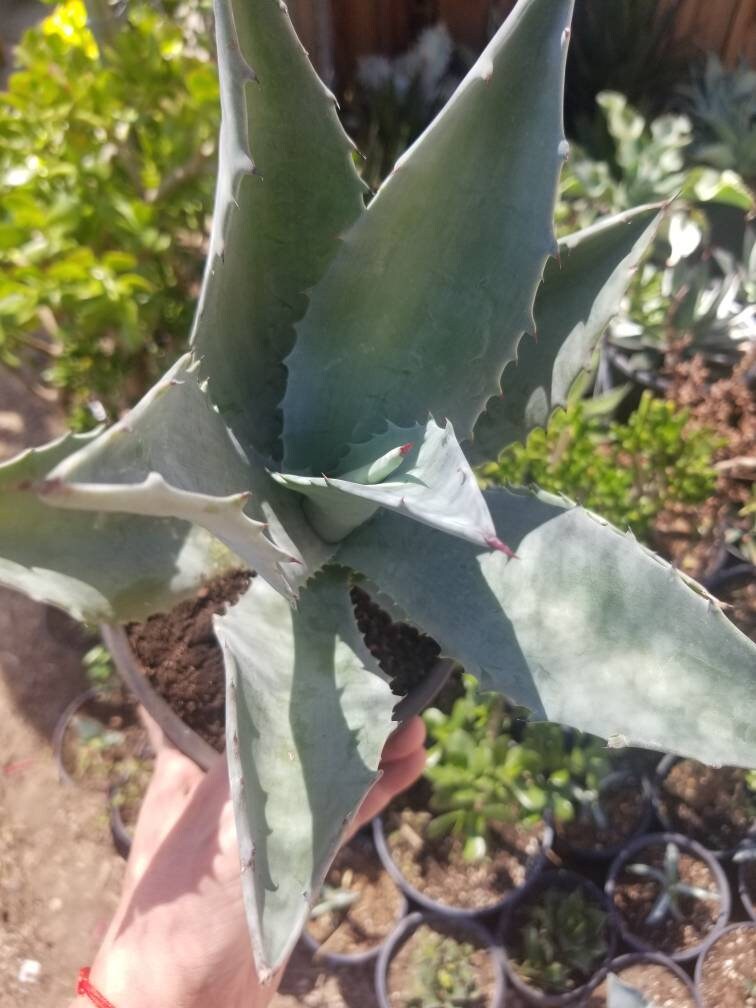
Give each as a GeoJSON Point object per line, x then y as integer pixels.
{"type": "Point", "coordinates": [710, 942]}
{"type": "Point", "coordinates": [662, 769]}
{"type": "Point", "coordinates": [409, 924]}
{"type": "Point", "coordinates": [601, 856]}
{"type": "Point", "coordinates": [192, 745]}
{"type": "Point", "coordinates": [692, 846]}
{"type": "Point", "coordinates": [657, 959]}
{"type": "Point", "coordinates": [563, 878]}
{"type": "Point", "coordinates": [335, 959]}
{"type": "Point", "coordinates": [445, 910]}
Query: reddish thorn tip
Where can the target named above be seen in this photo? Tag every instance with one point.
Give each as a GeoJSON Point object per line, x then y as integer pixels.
{"type": "Point", "coordinates": [496, 544]}
{"type": "Point", "coordinates": [406, 448]}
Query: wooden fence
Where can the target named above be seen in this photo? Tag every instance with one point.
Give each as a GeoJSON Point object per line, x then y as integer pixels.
{"type": "Point", "coordinates": [338, 32]}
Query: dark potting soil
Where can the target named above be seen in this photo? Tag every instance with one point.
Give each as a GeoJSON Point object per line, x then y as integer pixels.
{"type": "Point", "coordinates": [660, 986]}
{"type": "Point", "coordinates": [411, 979]}
{"type": "Point", "coordinates": [623, 807]}
{"type": "Point", "coordinates": [404, 654]}
{"type": "Point", "coordinates": [713, 806]}
{"type": "Point", "coordinates": [182, 659]}
{"type": "Point", "coordinates": [728, 976]}
{"type": "Point", "coordinates": [438, 869]}
{"type": "Point", "coordinates": [368, 921]}
{"type": "Point", "coordinates": [634, 898]}
{"type": "Point", "coordinates": [184, 663]}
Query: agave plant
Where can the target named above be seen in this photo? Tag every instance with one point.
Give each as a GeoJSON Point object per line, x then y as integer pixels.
{"type": "Point", "coordinates": [345, 360]}
{"type": "Point", "coordinates": [672, 890]}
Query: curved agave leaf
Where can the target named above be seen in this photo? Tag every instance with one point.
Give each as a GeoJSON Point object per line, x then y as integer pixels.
{"type": "Point", "coordinates": [432, 287]}
{"type": "Point", "coordinates": [102, 567]}
{"type": "Point", "coordinates": [433, 484]}
{"type": "Point", "coordinates": [305, 726]}
{"type": "Point", "coordinates": [580, 294]}
{"type": "Point", "coordinates": [584, 626]}
{"type": "Point", "coordinates": [622, 995]}
{"type": "Point", "coordinates": [172, 456]}
{"type": "Point", "coordinates": [286, 189]}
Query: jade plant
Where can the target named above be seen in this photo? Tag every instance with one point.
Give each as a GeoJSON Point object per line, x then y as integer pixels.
{"type": "Point", "coordinates": [344, 357]}
{"type": "Point", "coordinates": [468, 770]}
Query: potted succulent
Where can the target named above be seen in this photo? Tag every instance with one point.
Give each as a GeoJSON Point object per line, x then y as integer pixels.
{"type": "Point", "coordinates": [716, 806]}
{"type": "Point", "coordinates": [433, 962]}
{"type": "Point", "coordinates": [557, 938]}
{"type": "Point", "coordinates": [669, 894]}
{"type": "Point", "coordinates": [726, 968]}
{"type": "Point", "coordinates": [460, 842]}
{"type": "Point", "coordinates": [656, 980]}
{"type": "Point", "coordinates": [296, 439]}
{"type": "Point", "coordinates": [359, 906]}
{"type": "Point", "coordinates": [596, 797]}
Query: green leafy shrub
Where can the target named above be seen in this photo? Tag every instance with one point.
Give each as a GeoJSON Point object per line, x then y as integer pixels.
{"type": "Point", "coordinates": [562, 940]}
{"type": "Point", "coordinates": [628, 472]}
{"type": "Point", "coordinates": [106, 180]}
{"type": "Point", "coordinates": [560, 774]}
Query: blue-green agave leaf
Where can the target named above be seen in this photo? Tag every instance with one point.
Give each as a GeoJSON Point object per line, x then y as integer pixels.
{"type": "Point", "coordinates": [622, 995]}
{"type": "Point", "coordinates": [430, 290]}
{"type": "Point", "coordinates": [433, 484]}
{"type": "Point", "coordinates": [580, 293]}
{"type": "Point", "coordinates": [306, 723]}
{"type": "Point", "coordinates": [173, 456]}
{"type": "Point", "coordinates": [287, 188]}
{"type": "Point", "coordinates": [96, 567]}
{"type": "Point", "coordinates": [585, 626]}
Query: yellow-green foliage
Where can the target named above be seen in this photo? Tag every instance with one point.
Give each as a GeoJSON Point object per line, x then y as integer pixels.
{"type": "Point", "coordinates": [627, 472]}
{"type": "Point", "coordinates": [106, 179]}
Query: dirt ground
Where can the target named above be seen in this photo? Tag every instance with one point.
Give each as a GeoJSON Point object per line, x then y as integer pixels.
{"type": "Point", "coordinates": [59, 873]}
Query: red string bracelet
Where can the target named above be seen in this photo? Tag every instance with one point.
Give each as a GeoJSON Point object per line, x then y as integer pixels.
{"type": "Point", "coordinates": [83, 986]}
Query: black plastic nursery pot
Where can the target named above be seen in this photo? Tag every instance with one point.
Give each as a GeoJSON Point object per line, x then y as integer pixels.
{"type": "Point", "coordinates": [634, 852]}
{"type": "Point", "coordinates": [601, 855]}
{"type": "Point", "coordinates": [461, 929]}
{"type": "Point", "coordinates": [747, 886]}
{"type": "Point", "coordinates": [415, 895]}
{"type": "Point", "coordinates": [370, 864]}
{"type": "Point", "coordinates": [726, 968]}
{"type": "Point", "coordinates": [629, 962]}
{"type": "Point", "coordinates": [566, 881]}
{"type": "Point", "coordinates": [688, 820]}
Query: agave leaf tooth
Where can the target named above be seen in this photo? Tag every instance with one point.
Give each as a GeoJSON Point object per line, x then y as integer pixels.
{"type": "Point", "coordinates": [585, 627]}
{"type": "Point", "coordinates": [302, 711]}
{"type": "Point", "coordinates": [580, 293]}
{"type": "Point", "coordinates": [172, 456]}
{"type": "Point", "coordinates": [423, 304]}
{"type": "Point", "coordinates": [432, 483]}
{"type": "Point", "coordinates": [287, 187]}
{"type": "Point", "coordinates": [103, 567]}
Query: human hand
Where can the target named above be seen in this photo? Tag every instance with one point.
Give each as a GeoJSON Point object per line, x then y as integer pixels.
{"type": "Point", "coordinates": [179, 937]}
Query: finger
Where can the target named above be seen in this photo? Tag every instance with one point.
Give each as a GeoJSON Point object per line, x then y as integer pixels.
{"type": "Point", "coordinates": [404, 741]}
{"type": "Point", "coordinates": [396, 777]}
